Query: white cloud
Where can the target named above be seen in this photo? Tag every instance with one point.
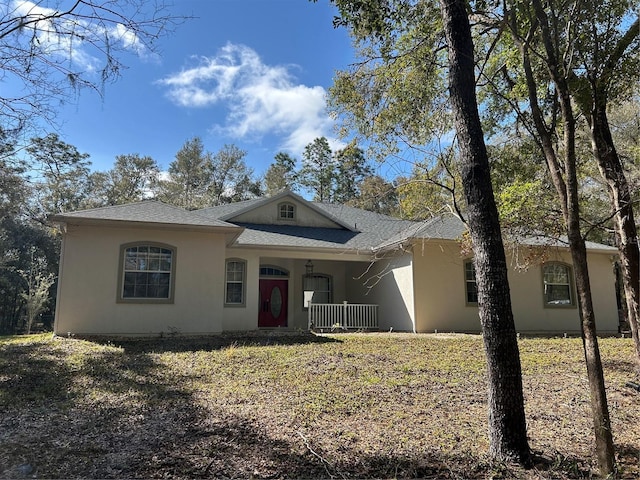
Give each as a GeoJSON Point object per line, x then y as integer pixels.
{"type": "Point", "coordinates": [69, 37]}
{"type": "Point", "coordinates": [260, 99]}
{"type": "Point", "coordinates": [129, 40]}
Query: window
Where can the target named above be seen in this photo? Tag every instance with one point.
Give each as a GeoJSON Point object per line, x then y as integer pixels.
{"type": "Point", "coordinates": [317, 289]}
{"type": "Point", "coordinates": [147, 273]}
{"type": "Point", "coordinates": [271, 271]}
{"type": "Point", "coordinates": [286, 211]}
{"type": "Point", "coordinates": [471, 288]}
{"type": "Point", "coordinates": [557, 285]}
{"type": "Point", "coordinates": [235, 282]}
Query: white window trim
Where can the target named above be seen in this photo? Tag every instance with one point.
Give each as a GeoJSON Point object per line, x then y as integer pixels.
{"type": "Point", "coordinates": [121, 274]}
{"type": "Point", "coordinates": [243, 282]}
{"type": "Point", "coordinates": [572, 296]}
{"type": "Point", "coordinates": [467, 282]}
{"type": "Point", "coordinates": [289, 207]}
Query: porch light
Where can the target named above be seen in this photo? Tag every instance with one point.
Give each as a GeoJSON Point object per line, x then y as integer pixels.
{"type": "Point", "coordinates": [309, 268]}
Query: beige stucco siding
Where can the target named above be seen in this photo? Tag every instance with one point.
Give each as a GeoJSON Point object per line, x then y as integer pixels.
{"type": "Point", "coordinates": [387, 283]}
{"type": "Point", "coordinates": [89, 283]}
{"type": "Point", "coordinates": [440, 296]}
{"type": "Point", "coordinates": [240, 318]}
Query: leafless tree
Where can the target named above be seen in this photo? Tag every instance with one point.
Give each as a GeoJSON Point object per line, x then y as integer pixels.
{"type": "Point", "coordinates": [50, 50]}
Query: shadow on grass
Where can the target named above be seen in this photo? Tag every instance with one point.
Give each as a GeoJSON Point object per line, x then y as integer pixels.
{"type": "Point", "coordinates": [66, 405]}
{"type": "Point", "coordinates": [76, 410]}
{"type": "Point", "coordinates": [80, 410]}
{"type": "Point", "coordinates": [179, 343]}
{"type": "Point", "coordinates": [620, 366]}
{"type": "Point", "coordinates": [50, 373]}
{"type": "Point", "coordinates": [233, 447]}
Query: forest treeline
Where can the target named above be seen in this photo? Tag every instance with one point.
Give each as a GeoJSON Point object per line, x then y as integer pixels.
{"type": "Point", "coordinates": [51, 176]}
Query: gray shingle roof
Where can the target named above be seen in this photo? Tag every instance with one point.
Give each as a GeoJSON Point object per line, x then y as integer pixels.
{"type": "Point", "coordinates": [147, 212]}
{"type": "Point", "coordinates": [368, 229]}
{"type": "Point", "coordinates": [450, 227]}
{"type": "Point", "coordinates": [363, 230]}
{"type": "Point", "coordinates": [221, 211]}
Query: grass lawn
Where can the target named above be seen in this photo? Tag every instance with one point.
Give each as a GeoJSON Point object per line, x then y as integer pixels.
{"type": "Point", "coordinates": [334, 406]}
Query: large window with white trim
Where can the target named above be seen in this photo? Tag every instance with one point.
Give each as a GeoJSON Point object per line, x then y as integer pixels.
{"type": "Point", "coordinates": [558, 285]}
{"type": "Point", "coordinates": [146, 273]}
{"type": "Point", "coordinates": [235, 282]}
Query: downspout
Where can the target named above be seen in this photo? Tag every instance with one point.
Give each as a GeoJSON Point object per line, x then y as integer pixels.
{"type": "Point", "coordinates": [413, 286]}
{"type": "Point", "coordinates": [63, 230]}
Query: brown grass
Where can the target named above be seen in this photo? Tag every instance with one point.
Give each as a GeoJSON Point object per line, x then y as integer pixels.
{"type": "Point", "coordinates": [297, 405]}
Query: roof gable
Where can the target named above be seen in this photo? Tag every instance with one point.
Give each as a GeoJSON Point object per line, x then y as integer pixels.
{"type": "Point", "coordinates": [266, 211]}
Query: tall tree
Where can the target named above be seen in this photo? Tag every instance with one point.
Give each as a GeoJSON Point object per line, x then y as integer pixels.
{"type": "Point", "coordinates": [132, 178]}
{"type": "Point", "coordinates": [281, 174]}
{"type": "Point", "coordinates": [190, 176]}
{"type": "Point", "coordinates": [231, 179]}
{"type": "Point", "coordinates": [378, 195]}
{"type": "Point", "coordinates": [507, 425]}
{"type": "Point", "coordinates": [351, 170]}
{"type": "Point", "coordinates": [198, 178]}
{"type": "Point", "coordinates": [63, 184]}
{"type": "Point", "coordinates": [13, 188]}
{"type": "Point", "coordinates": [318, 172]}
{"type": "Point", "coordinates": [533, 31]}
{"type": "Point", "coordinates": [402, 39]}
{"type": "Point", "coordinates": [54, 49]}
{"type": "Point", "coordinates": [608, 65]}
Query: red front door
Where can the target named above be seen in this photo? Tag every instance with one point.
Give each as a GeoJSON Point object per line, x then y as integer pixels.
{"type": "Point", "coordinates": [273, 303]}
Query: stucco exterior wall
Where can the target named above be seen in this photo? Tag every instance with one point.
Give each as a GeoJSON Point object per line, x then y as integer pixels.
{"type": "Point", "coordinates": [391, 282]}
{"type": "Point", "coordinates": [440, 296]}
{"type": "Point", "coordinates": [89, 282]}
{"type": "Point", "coordinates": [241, 318]}
{"type": "Point", "coordinates": [422, 291]}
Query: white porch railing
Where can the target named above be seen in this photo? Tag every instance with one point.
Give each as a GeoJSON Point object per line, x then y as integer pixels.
{"type": "Point", "coordinates": [348, 316]}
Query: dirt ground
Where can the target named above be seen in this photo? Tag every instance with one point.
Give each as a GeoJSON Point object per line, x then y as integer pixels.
{"type": "Point", "coordinates": [297, 406]}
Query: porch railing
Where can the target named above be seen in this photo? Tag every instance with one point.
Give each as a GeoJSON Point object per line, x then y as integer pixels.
{"type": "Point", "coordinates": [347, 316]}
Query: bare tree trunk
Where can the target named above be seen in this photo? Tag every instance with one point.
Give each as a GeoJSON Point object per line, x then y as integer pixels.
{"type": "Point", "coordinates": [567, 190]}
{"type": "Point", "coordinates": [507, 424]}
{"type": "Point", "coordinates": [626, 232]}
{"type": "Point", "coordinates": [599, 406]}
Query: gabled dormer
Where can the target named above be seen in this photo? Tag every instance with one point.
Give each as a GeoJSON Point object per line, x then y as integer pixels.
{"type": "Point", "coordinates": [285, 208]}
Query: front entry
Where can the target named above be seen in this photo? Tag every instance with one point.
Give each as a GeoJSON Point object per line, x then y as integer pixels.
{"type": "Point", "coordinates": [273, 303]}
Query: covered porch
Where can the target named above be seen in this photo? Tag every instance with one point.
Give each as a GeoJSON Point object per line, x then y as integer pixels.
{"type": "Point", "coordinates": [345, 291]}
{"type": "Point", "coordinates": [302, 290]}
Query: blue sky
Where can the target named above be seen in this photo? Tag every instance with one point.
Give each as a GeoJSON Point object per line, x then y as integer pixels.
{"type": "Point", "coordinates": [253, 73]}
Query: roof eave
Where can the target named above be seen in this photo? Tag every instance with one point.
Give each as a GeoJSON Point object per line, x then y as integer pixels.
{"type": "Point", "coordinates": [94, 222]}
{"type": "Point", "coordinates": [345, 250]}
